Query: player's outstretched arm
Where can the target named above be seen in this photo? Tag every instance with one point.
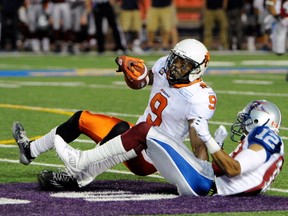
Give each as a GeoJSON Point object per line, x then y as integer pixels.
{"type": "Point", "coordinates": [228, 165]}
{"type": "Point", "coordinates": [197, 145]}
{"type": "Point", "coordinates": [136, 74]}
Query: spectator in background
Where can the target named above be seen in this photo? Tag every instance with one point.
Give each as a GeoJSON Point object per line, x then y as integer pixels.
{"type": "Point", "coordinates": [104, 9]}
{"type": "Point", "coordinates": [61, 25]}
{"type": "Point", "coordinates": [264, 28]}
{"type": "Point", "coordinates": [174, 37]}
{"type": "Point", "coordinates": [24, 42]}
{"type": "Point", "coordinates": [90, 34]}
{"type": "Point", "coordinates": [215, 14]}
{"type": "Point", "coordinates": [79, 16]}
{"type": "Point", "coordinates": [9, 23]}
{"type": "Point", "coordinates": [131, 23]}
{"type": "Point", "coordinates": [38, 24]}
{"type": "Point", "coordinates": [159, 18]}
{"type": "Point", "coordinates": [250, 24]}
{"type": "Point", "coordinates": [279, 10]}
{"type": "Point", "coordinates": [235, 27]}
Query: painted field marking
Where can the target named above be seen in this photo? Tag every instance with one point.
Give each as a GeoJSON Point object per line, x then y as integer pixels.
{"type": "Point", "coordinates": [60, 166]}
{"type": "Point", "coordinates": [252, 93]}
{"type": "Point", "coordinates": [265, 62]}
{"type": "Point", "coordinates": [15, 84]}
{"type": "Point", "coordinates": [66, 112]}
{"type": "Point", "coordinates": [109, 196]}
{"type": "Point", "coordinates": [215, 68]}
{"type": "Point", "coordinates": [40, 109]}
{"type": "Point", "coordinates": [5, 201]}
{"type": "Point", "coordinates": [5, 160]}
{"type": "Point", "coordinates": [70, 112]}
{"type": "Point", "coordinates": [253, 82]}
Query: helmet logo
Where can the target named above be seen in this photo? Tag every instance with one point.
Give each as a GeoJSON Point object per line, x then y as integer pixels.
{"type": "Point", "coordinates": [206, 59]}
{"type": "Point", "coordinates": [274, 124]}
{"type": "Point", "coordinates": [257, 105]}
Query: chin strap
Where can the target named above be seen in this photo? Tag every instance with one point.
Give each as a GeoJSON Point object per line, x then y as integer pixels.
{"type": "Point", "coordinates": [180, 85]}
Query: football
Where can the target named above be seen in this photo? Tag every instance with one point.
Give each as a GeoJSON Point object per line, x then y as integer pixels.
{"type": "Point", "coordinates": [141, 80]}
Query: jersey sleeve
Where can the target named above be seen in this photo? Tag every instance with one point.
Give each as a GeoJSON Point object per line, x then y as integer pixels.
{"type": "Point", "coordinates": [267, 138]}
{"type": "Point", "coordinates": [204, 105]}
{"type": "Point", "coordinates": [250, 160]}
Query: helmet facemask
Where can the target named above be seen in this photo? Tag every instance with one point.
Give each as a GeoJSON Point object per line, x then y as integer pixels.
{"type": "Point", "coordinates": [238, 129]}
{"type": "Point", "coordinates": [257, 113]}
{"type": "Point", "coordinates": [178, 68]}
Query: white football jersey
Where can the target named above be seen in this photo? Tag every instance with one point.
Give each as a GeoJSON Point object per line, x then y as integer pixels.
{"type": "Point", "coordinates": [170, 108]}
{"type": "Point", "coordinates": [258, 179]}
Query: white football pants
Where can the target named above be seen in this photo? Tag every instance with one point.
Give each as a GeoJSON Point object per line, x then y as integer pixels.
{"type": "Point", "coordinates": [178, 165]}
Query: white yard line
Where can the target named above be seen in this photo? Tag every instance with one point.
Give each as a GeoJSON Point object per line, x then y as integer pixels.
{"type": "Point", "coordinates": [253, 82]}
{"type": "Point", "coordinates": [5, 160]}
{"type": "Point", "coordinates": [251, 93]}
{"type": "Point", "coordinates": [265, 62]}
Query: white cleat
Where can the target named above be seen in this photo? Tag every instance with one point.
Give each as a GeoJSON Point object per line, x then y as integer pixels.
{"type": "Point", "coordinates": [68, 155]}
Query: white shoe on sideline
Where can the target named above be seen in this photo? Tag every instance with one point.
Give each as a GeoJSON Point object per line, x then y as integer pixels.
{"type": "Point", "coordinates": [68, 155]}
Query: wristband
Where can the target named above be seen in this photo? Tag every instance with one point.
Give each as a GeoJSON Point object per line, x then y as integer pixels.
{"type": "Point", "coordinates": [212, 146]}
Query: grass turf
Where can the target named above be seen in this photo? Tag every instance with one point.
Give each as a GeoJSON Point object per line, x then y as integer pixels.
{"type": "Point", "coordinates": [21, 98]}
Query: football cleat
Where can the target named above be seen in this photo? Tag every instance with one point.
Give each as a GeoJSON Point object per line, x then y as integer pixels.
{"type": "Point", "coordinates": [23, 142]}
{"type": "Point", "coordinates": [51, 181]}
{"type": "Point", "coordinates": [68, 155]}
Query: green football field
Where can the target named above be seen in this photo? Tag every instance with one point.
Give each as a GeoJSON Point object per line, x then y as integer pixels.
{"type": "Point", "coordinates": [43, 91]}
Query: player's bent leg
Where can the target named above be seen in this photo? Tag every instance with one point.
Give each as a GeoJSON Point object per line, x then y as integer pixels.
{"type": "Point", "coordinates": [97, 126]}
{"type": "Point", "coordinates": [69, 130]}
{"type": "Point", "coordinates": [133, 142]}
{"type": "Point", "coordinates": [117, 129]}
{"type": "Point", "coordinates": [94, 169]}
{"type": "Point", "coordinates": [140, 165]}
{"type": "Point", "coordinates": [125, 147]}
{"type": "Point", "coordinates": [88, 119]}
{"type": "Point", "coordinates": [68, 155]}
{"type": "Point", "coordinates": [178, 165]}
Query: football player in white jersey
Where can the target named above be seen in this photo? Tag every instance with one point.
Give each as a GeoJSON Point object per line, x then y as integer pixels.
{"type": "Point", "coordinates": [249, 170]}
{"type": "Point", "coordinates": [279, 10]}
{"type": "Point", "coordinates": [178, 95]}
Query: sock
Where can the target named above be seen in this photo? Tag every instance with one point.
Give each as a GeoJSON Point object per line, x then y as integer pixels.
{"type": "Point", "coordinates": [94, 169]}
{"type": "Point", "coordinates": [42, 144]}
{"type": "Point", "coordinates": [110, 149]}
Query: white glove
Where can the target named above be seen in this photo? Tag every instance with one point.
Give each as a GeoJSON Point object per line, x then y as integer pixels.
{"type": "Point", "coordinates": [220, 135]}
{"type": "Point", "coordinates": [202, 129]}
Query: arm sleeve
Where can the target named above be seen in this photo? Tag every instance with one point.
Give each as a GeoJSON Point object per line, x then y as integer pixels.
{"type": "Point", "coordinates": [200, 105]}
{"type": "Point", "coordinates": [250, 160]}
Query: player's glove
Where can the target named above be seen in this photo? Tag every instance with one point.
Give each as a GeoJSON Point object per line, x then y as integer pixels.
{"type": "Point", "coordinates": [220, 135]}
{"type": "Point", "coordinates": [132, 67]}
{"type": "Point", "coordinates": [201, 127]}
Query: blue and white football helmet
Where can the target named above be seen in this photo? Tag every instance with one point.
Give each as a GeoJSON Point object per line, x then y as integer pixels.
{"type": "Point", "coordinates": [256, 113]}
